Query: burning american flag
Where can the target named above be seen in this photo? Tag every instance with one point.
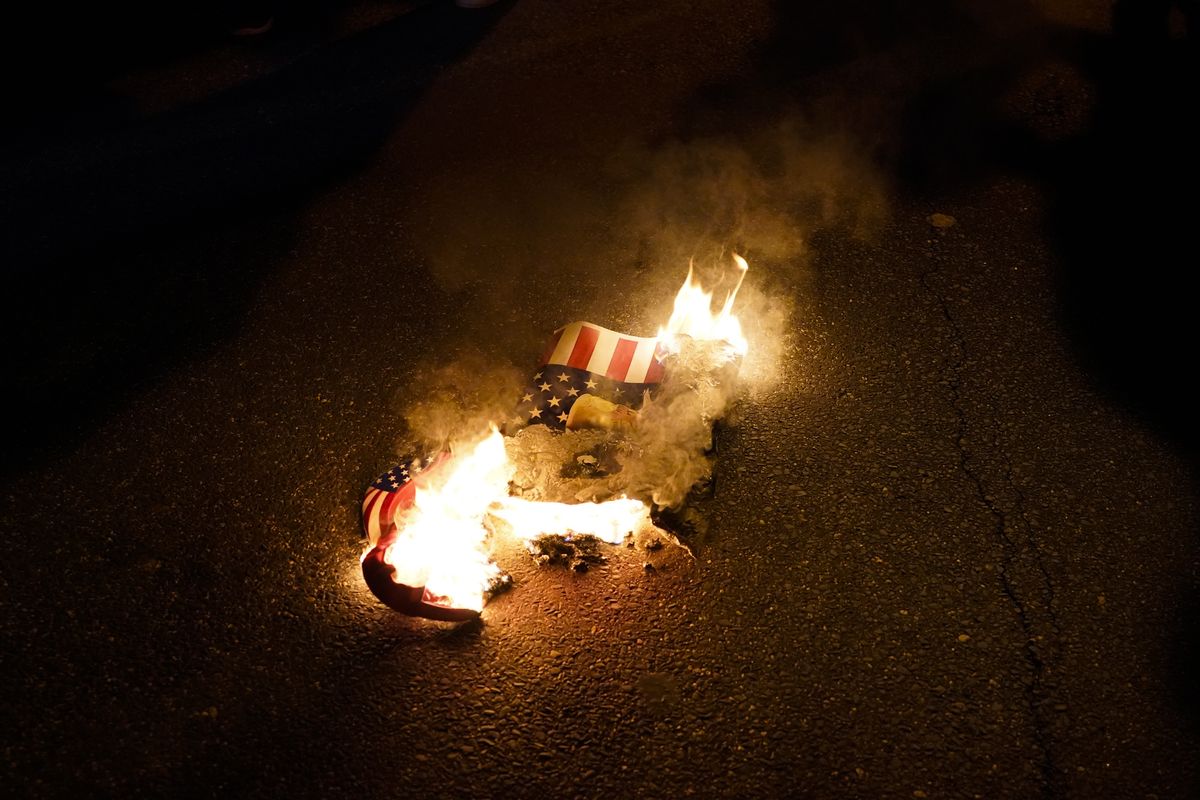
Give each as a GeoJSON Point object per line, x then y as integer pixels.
{"type": "Point", "coordinates": [429, 520]}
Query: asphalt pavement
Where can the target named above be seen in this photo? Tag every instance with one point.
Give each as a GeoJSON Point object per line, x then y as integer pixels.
{"type": "Point", "coordinates": [952, 547]}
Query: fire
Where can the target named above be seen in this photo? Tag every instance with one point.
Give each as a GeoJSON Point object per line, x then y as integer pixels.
{"type": "Point", "coordinates": [610, 521]}
{"type": "Point", "coordinates": [693, 315]}
{"type": "Point", "coordinates": [441, 540]}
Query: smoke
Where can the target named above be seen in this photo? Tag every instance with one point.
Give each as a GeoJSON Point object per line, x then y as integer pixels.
{"type": "Point", "coordinates": [610, 238]}
{"type": "Point", "coordinates": [762, 194]}
{"type": "Point", "coordinates": [675, 433]}
{"type": "Point", "coordinates": [613, 247]}
{"type": "Point", "coordinates": [450, 403]}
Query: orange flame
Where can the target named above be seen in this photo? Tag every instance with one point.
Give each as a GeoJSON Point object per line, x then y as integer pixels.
{"type": "Point", "coordinates": [693, 315]}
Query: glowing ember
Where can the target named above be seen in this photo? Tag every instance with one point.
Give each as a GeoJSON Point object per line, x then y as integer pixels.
{"type": "Point", "coordinates": [693, 315]}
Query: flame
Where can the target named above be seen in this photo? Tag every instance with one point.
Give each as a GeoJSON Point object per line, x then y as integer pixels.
{"type": "Point", "coordinates": [610, 521]}
{"type": "Point", "coordinates": [441, 539]}
{"type": "Point", "coordinates": [693, 315]}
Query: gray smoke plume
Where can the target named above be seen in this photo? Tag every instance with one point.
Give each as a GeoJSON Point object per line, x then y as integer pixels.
{"type": "Point", "coordinates": [449, 403]}
{"type": "Point", "coordinates": [614, 248]}
{"type": "Point", "coordinates": [675, 434]}
{"type": "Point", "coordinates": [763, 194]}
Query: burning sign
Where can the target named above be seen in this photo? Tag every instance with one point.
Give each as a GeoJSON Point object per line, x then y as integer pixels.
{"type": "Point", "coordinates": [609, 426]}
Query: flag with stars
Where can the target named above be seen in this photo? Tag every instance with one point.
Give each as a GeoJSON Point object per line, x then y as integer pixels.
{"type": "Point", "coordinates": [583, 361]}
{"type": "Point", "coordinates": [391, 492]}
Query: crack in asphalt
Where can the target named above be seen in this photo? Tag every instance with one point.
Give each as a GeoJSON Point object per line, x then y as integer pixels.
{"type": "Point", "coordinates": [1036, 695]}
{"type": "Point", "coordinates": [1034, 546]}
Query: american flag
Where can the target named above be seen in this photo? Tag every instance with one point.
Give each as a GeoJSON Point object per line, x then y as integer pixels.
{"type": "Point", "coordinates": [392, 491]}
{"type": "Point", "coordinates": [585, 359]}
{"type": "Point", "coordinates": [580, 359]}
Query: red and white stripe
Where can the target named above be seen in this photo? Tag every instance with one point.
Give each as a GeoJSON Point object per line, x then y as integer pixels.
{"type": "Point", "coordinates": [379, 509]}
{"type": "Point", "coordinates": [630, 359]}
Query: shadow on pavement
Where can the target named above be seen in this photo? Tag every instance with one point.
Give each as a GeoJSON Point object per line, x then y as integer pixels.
{"type": "Point", "coordinates": [131, 245]}
{"type": "Point", "coordinates": [1124, 233]}
{"type": "Point", "coordinates": [928, 90]}
{"type": "Point", "coordinates": [1112, 176]}
{"type": "Point", "coordinates": [1117, 179]}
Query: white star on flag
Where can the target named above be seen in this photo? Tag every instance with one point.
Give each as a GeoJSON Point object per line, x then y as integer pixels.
{"type": "Point", "coordinates": [585, 359]}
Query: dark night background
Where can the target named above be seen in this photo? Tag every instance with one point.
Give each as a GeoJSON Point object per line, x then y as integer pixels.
{"type": "Point", "coordinates": [952, 551]}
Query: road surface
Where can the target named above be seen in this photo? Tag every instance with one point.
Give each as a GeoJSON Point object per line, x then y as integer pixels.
{"type": "Point", "coordinates": [952, 549]}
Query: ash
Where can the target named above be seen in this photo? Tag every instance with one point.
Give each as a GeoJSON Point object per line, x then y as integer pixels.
{"type": "Point", "coordinates": [577, 551]}
{"type": "Point", "coordinates": [568, 467]}
{"type": "Point", "coordinates": [499, 584]}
